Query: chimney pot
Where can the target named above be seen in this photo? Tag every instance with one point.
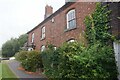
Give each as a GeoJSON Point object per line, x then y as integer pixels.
{"type": "Point", "coordinates": [48, 11]}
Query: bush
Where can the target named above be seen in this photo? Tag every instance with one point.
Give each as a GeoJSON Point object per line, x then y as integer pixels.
{"type": "Point", "coordinates": [30, 60]}
{"type": "Point", "coordinates": [50, 59]}
{"type": "Point", "coordinates": [75, 61]}
{"type": "Point", "coordinates": [20, 56]}
{"type": "Point", "coordinates": [88, 62]}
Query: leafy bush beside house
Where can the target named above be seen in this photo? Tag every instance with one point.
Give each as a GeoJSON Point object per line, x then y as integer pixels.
{"type": "Point", "coordinates": [21, 55]}
{"type": "Point", "coordinates": [50, 58]}
{"type": "Point", "coordinates": [30, 60]}
{"type": "Point", "coordinates": [76, 61]}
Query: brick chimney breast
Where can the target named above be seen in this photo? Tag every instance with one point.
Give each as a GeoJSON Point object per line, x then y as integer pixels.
{"type": "Point", "coordinates": [48, 11]}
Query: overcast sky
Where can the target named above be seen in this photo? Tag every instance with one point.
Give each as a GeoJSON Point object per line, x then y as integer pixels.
{"type": "Point", "coordinates": [19, 16]}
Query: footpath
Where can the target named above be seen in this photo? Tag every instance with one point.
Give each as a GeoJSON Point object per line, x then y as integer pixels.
{"type": "Point", "coordinates": [22, 75]}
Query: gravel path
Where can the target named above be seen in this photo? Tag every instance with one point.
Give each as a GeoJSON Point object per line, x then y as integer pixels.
{"type": "Point", "coordinates": [13, 65]}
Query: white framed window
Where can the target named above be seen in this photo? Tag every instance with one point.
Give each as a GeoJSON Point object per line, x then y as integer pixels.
{"type": "Point", "coordinates": [55, 47]}
{"type": "Point", "coordinates": [33, 36]}
{"type": "Point", "coordinates": [71, 19]}
{"type": "Point", "coordinates": [43, 32]}
{"type": "Point", "coordinates": [71, 40]}
{"type": "Point", "coordinates": [42, 48]}
{"type": "Point", "coordinates": [30, 49]}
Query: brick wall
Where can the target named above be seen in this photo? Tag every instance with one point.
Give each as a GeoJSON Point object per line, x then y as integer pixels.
{"type": "Point", "coordinates": [56, 31]}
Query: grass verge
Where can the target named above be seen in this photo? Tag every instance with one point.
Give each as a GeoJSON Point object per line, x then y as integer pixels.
{"type": "Point", "coordinates": [6, 73]}
{"type": "Point", "coordinates": [0, 71]}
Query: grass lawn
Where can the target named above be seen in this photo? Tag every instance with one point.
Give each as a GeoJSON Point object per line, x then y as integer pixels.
{"type": "Point", "coordinates": [6, 73]}
{"type": "Point", "coordinates": [0, 71]}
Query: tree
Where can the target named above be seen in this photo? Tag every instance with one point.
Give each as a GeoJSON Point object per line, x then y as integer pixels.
{"type": "Point", "coordinates": [10, 47]}
{"type": "Point", "coordinates": [22, 39]}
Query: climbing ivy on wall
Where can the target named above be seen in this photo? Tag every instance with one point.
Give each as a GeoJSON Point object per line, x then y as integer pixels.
{"type": "Point", "coordinates": [97, 25]}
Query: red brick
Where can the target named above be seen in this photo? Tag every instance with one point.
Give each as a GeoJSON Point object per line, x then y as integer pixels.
{"type": "Point", "coordinates": [55, 32]}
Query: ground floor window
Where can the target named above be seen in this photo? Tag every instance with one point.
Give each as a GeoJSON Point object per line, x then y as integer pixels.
{"type": "Point", "coordinates": [42, 48]}
{"type": "Point", "coordinates": [71, 40]}
{"type": "Point", "coordinates": [30, 49]}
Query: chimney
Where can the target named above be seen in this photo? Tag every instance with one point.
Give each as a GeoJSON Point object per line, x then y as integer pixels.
{"type": "Point", "coordinates": [48, 11]}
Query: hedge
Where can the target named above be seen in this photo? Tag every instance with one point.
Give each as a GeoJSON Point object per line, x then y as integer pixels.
{"type": "Point", "coordinates": [76, 61]}
{"type": "Point", "coordinates": [30, 60]}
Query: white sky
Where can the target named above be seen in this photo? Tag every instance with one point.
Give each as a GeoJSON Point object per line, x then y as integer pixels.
{"type": "Point", "coordinates": [19, 16]}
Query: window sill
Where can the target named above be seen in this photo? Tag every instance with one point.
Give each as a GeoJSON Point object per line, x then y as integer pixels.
{"type": "Point", "coordinates": [69, 29]}
{"type": "Point", "coordinates": [42, 38]}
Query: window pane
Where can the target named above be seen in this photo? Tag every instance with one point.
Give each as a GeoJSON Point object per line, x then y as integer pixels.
{"type": "Point", "coordinates": [43, 33]}
{"type": "Point", "coordinates": [71, 19]}
{"type": "Point", "coordinates": [55, 48]}
{"type": "Point", "coordinates": [32, 37]}
{"type": "Point", "coordinates": [74, 23]}
{"type": "Point", "coordinates": [42, 48]}
{"type": "Point", "coordinates": [72, 40]}
{"type": "Point", "coordinates": [73, 14]}
{"type": "Point", "coordinates": [44, 29]}
{"type": "Point", "coordinates": [70, 24]}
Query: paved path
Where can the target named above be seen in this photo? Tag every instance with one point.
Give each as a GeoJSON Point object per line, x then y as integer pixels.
{"type": "Point", "coordinates": [13, 65]}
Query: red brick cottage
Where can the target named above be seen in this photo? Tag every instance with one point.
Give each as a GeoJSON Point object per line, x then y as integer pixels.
{"type": "Point", "coordinates": [67, 24]}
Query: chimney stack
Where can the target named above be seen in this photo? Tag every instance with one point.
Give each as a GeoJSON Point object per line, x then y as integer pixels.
{"type": "Point", "coordinates": [48, 11]}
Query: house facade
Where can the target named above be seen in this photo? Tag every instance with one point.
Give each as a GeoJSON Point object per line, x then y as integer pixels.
{"type": "Point", "coordinates": [66, 24]}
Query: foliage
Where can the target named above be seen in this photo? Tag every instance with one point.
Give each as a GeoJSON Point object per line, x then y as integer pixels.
{"type": "Point", "coordinates": [22, 39]}
{"type": "Point", "coordinates": [87, 62]}
{"type": "Point", "coordinates": [50, 58]}
{"type": "Point", "coordinates": [30, 60]}
{"type": "Point", "coordinates": [10, 47]}
{"type": "Point", "coordinates": [20, 56]}
{"type": "Point", "coordinates": [97, 25]}
{"type": "Point", "coordinates": [75, 61]}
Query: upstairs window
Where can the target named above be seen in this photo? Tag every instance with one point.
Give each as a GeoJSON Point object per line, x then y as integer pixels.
{"type": "Point", "coordinates": [32, 38]}
{"type": "Point", "coordinates": [42, 48]}
{"type": "Point", "coordinates": [71, 19]}
{"type": "Point", "coordinates": [43, 33]}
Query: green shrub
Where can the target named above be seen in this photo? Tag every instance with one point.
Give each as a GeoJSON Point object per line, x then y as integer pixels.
{"type": "Point", "coordinates": [20, 56]}
{"type": "Point", "coordinates": [75, 61]}
{"type": "Point", "coordinates": [87, 62]}
{"type": "Point", "coordinates": [50, 59]}
{"type": "Point", "coordinates": [30, 60]}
